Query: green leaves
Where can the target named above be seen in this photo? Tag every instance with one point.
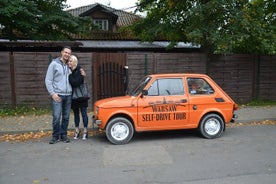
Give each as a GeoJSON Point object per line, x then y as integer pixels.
{"type": "Point", "coordinates": [219, 26]}
{"type": "Point", "coordinates": [39, 20]}
{"type": "Point", "coordinates": [13, 18]}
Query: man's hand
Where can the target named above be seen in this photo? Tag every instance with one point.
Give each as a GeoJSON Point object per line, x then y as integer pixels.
{"type": "Point", "coordinates": [56, 98]}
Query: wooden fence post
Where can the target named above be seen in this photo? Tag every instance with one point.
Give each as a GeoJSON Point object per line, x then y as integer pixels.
{"type": "Point", "coordinates": [12, 79]}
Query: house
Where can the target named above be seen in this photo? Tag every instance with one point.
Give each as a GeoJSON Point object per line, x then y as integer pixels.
{"type": "Point", "coordinates": [109, 20]}
{"type": "Point", "coordinates": [111, 34]}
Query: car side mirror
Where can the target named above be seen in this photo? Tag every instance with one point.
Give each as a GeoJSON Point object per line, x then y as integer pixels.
{"type": "Point", "coordinates": [144, 92]}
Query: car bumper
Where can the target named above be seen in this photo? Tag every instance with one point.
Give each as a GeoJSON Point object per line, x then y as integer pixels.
{"type": "Point", "coordinates": [96, 121]}
{"type": "Point", "coordinates": [235, 116]}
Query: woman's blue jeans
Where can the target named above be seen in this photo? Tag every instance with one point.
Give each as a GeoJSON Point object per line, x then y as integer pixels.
{"type": "Point", "coordinates": [83, 111]}
{"type": "Point", "coordinates": [61, 114]}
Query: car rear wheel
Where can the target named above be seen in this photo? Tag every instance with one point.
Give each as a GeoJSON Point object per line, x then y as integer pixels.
{"type": "Point", "coordinates": [211, 126]}
{"type": "Point", "coordinates": [119, 131]}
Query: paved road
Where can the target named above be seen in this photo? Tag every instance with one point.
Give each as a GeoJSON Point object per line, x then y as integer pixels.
{"type": "Point", "coordinates": [244, 154]}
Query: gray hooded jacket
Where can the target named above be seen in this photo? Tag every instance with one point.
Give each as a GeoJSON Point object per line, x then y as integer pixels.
{"type": "Point", "coordinates": [56, 79]}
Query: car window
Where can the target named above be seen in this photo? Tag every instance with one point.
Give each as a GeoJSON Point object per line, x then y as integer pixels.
{"type": "Point", "coordinates": [166, 87]}
{"type": "Point", "coordinates": [199, 86]}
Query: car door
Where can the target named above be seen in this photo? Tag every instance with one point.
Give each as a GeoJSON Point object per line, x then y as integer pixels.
{"type": "Point", "coordinates": [202, 98]}
{"type": "Point", "coordinates": [164, 106]}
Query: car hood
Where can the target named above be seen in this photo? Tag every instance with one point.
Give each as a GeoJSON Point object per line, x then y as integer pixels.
{"type": "Point", "coordinates": [116, 102]}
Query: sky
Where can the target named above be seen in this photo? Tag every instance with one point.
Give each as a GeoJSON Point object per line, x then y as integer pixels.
{"type": "Point", "coordinates": [117, 4]}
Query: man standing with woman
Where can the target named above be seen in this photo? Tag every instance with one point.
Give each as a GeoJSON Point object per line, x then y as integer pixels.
{"type": "Point", "coordinates": [60, 90]}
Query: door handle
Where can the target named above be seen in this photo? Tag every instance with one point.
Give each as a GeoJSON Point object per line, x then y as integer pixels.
{"type": "Point", "coordinates": [183, 100]}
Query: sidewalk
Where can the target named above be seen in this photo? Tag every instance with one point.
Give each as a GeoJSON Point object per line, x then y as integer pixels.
{"type": "Point", "coordinates": [44, 122]}
{"type": "Point", "coordinates": [15, 124]}
{"type": "Point", "coordinates": [249, 114]}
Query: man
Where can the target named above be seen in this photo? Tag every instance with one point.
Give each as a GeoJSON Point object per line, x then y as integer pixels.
{"type": "Point", "coordinates": [60, 90]}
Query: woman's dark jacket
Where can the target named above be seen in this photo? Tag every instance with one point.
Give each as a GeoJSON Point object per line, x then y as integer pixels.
{"type": "Point", "coordinates": [76, 79]}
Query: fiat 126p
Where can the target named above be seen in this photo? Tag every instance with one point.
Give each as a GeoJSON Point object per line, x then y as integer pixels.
{"type": "Point", "coordinates": [166, 102]}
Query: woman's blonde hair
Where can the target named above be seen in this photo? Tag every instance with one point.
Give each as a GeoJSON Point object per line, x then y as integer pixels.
{"type": "Point", "coordinates": [74, 59]}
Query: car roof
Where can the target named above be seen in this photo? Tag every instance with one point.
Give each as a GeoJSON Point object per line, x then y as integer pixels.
{"type": "Point", "coordinates": [178, 75]}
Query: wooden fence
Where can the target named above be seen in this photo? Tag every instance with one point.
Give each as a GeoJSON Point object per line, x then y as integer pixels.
{"type": "Point", "coordinates": [243, 77]}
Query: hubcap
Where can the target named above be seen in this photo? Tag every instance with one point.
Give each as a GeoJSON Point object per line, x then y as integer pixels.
{"type": "Point", "coordinates": [212, 126]}
{"type": "Point", "coordinates": [119, 131]}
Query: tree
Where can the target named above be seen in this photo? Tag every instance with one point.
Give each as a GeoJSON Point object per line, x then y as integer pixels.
{"type": "Point", "coordinates": [259, 28]}
{"type": "Point", "coordinates": [40, 20]}
{"type": "Point", "coordinates": [219, 26]}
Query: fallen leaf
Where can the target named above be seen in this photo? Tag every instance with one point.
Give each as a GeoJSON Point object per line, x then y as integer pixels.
{"type": "Point", "coordinates": [22, 137]}
{"type": "Point", "coordinates": [36, 181]}
{"type": "Point", "coordinates": [265, 122]}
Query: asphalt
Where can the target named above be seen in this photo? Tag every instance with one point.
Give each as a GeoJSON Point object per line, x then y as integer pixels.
{"type": "Point", "coordinates": [15, 124]}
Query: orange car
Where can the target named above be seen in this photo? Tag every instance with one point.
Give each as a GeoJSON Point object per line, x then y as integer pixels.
{"type": "Point", "coordinates": [166, 102]}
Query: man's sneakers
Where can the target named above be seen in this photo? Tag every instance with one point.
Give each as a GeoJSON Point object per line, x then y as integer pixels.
{"type": "Point", "coordinates": [64, 139]}
{"type": "Point", "coordinates": [54, 140]}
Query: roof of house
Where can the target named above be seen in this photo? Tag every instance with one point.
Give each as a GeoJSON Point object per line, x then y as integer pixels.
{"type": "Point", "coordinates": [124, 18]}
{"type": "Point", "coordinates": [134, 44]}
{"type": "Point", "coordinates": [92, 44]}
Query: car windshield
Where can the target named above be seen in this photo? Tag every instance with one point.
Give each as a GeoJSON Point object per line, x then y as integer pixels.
{"type": "Point", "coordinates": [140, 86]}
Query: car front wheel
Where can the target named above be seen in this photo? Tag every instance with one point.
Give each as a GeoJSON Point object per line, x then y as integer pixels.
{"type": "Point", "coordinates": [119, 131]}
{"type": "Point", "coordinates": [211, 126]}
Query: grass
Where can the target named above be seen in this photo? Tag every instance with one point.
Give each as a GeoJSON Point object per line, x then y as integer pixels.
{"type": "Point", "coordinates": [260, 103]}
{"type": "Point", "coordinates": [23, 110]}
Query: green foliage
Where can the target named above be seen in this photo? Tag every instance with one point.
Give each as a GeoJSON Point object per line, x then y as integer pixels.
{"type": "Point", "coordinates": [261, 103]}
{"type": "Point", "coordinates": [23, 110]}
{"type": "Point", "coordinates": [40, 20]}
{"type": "Point", "coordinates": [259, 27]}
{"type": "Point", "coordinates": [219, 26]}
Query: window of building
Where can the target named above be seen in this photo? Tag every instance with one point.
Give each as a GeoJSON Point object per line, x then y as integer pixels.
{"type": "Point", "coordinates": [102, 23]}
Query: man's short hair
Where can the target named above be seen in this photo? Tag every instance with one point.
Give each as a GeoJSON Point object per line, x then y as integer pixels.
{"type": "Point", "coordinates": [66, 47]}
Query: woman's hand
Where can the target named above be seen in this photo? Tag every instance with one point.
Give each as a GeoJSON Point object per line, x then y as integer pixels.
{"type": "Point", "coordinates": [82, 72]}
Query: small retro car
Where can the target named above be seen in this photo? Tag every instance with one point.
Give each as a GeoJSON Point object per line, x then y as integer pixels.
{"type": "Point", "coordinates": [166, 102]}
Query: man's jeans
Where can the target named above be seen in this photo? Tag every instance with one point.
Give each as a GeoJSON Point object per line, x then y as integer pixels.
{"type": "Point", "coordinates": [61, 114]}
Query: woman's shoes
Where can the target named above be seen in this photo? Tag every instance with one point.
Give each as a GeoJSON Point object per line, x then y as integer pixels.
{"type": "Point", "coordinates": [77, 135]}
{"type": "Point", "coordinates": [84, 136]}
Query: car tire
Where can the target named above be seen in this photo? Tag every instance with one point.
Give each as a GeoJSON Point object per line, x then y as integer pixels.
{"type": "Point", "coordinates": [211, 126]}
{"type": "Point", "coordinates": [119, 131]}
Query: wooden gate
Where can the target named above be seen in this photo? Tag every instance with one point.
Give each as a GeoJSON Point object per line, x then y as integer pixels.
{"type": "Point", "coordinates": [109, 75]}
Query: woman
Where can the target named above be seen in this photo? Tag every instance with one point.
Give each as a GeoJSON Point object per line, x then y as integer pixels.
{"type": "Point", "coordinates": [76, 79]}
